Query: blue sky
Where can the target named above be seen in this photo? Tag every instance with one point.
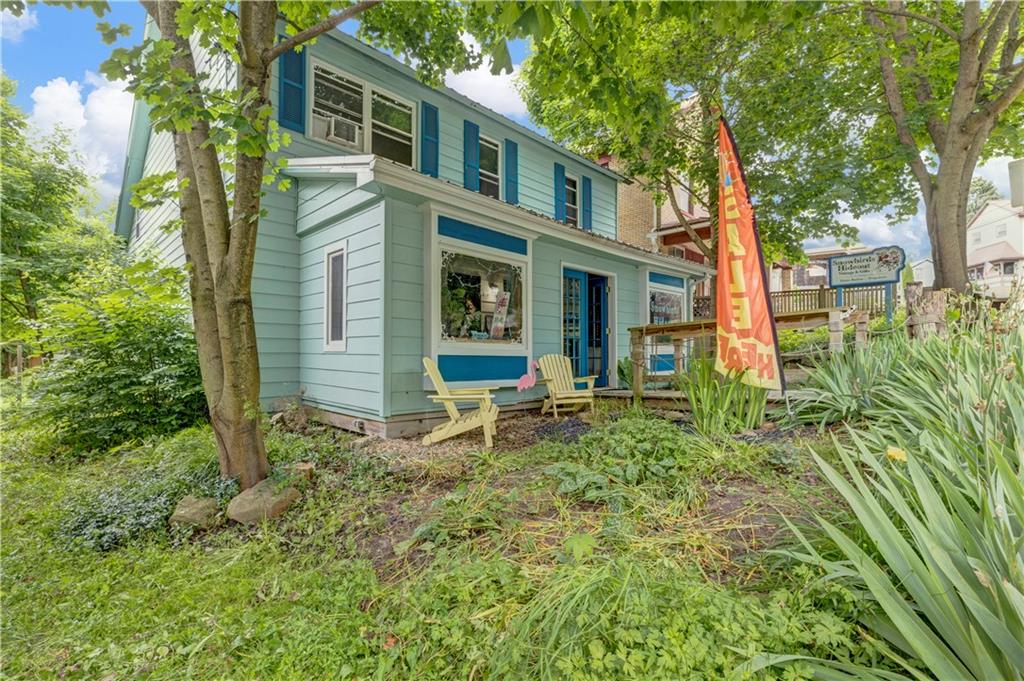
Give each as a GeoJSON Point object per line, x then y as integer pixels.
{"type": "Point", "coordinates": [55, 53]}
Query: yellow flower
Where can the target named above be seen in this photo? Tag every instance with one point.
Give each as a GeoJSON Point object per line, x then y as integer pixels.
{"type": "Point", "coordinates": [896, 454]}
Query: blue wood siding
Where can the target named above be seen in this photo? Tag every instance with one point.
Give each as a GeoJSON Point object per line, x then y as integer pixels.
{"type": "Point", "coordinates": [351, 380]}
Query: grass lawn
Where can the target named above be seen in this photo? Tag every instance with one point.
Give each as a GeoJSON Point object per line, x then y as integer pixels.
{"type": "Point", "coordinates": [619, 546]}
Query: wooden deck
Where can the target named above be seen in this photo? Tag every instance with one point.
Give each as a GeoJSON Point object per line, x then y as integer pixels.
{"type": "Point", "coordinates": [679, 333]}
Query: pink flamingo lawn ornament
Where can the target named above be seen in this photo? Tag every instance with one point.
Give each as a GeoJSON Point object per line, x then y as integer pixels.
{"type": "Point", "coordinates": [529, 379]}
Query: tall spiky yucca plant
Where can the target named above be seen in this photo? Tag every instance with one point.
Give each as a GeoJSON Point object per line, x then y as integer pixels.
{"type": "Point", "coordinates": [935, 482]}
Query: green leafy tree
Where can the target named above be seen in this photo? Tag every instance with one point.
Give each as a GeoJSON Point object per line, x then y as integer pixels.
{"type": "Point", "coordinates": [836, 107]}
{"type": "Point", "coordinates": [49, 232]}
{"type": "Point", "coordinates": [982, 191]}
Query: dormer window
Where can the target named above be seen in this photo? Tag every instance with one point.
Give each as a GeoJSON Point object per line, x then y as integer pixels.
{"type": "Point", "coordinates": [572, 201]}
{"type": "Point", "coordinates": [352, 114]}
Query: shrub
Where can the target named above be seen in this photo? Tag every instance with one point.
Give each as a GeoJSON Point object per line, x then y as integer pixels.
{"type": "Point", "coordinates": [124, 361]}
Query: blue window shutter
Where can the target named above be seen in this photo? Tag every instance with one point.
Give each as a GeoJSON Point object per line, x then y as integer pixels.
{"type": "Point", "coordinates": [471, 155]}
{"type": "Point", "coordinates": [511, 172]}
{"type": "Point", "coordinates": [560, 192]}
{"type": "Point", "coordinates": [291, 105]}
{"type": "Point", "coordinates": [429, 139]}
{"type": "Point", "coordinates": [588, 214]}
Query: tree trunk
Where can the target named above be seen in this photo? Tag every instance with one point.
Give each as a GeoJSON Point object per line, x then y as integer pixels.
{"type": "Point", "coordinates": [220, 252]}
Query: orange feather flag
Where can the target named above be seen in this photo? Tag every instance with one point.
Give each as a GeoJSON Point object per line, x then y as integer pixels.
{"type": "Point", "coordinates": [747, 343]}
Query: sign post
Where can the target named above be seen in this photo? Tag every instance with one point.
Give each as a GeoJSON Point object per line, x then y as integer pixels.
{"type": "Point", "coordinates": [880, 266]}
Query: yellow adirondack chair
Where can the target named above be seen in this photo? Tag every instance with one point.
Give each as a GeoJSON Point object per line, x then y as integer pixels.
{"type": "Point", "coordinates": [484, 416]}
{"type": "Point", "coordinates": [562, 390]}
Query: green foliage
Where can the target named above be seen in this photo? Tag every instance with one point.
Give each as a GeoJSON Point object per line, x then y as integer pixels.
{"type": "Point", "coordinates": [934, 486]}
{"type": "Point", "coordinates": [124, 364]}
{"type": "Point", "coordinates": [624, 369]}
{"type": "Point", "coordinates": [720, 405]}
{"type": "Point", "coordinates": [627, 619]}
{"type": "Point", "coordinates": [462, 514]}
{"type": "Point", "coordinates": [982, 191]}
{"type": "Point", "coordinates": [140, 505]}
{"type": "Point", "coordinates": [50, 235]}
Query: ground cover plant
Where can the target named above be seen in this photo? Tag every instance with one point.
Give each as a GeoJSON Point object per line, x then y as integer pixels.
{"type": "Point", "coordinates": [432, 564]}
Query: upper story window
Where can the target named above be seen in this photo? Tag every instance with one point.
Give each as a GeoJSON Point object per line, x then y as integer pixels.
{"type": "Point", "coordinates": [1001, 230]}
{"type": "Point", "coordinates": [976, 238]}
{"type": "Point", "coordinates": [572, 201]}
{"type": "Point", "coordinates": [353, 114]}
{"type": "Point", "coordinates": [490, 168]}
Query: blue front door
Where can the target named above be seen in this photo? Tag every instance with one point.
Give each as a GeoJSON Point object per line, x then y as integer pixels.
{"type": "Point", "coordinates": [585, 324]}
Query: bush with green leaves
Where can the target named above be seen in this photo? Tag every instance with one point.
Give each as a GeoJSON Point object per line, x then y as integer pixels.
{"type": "Point", "coordinates": [124, 365]}
{"type": "Point", "coordinates": [934, 485]}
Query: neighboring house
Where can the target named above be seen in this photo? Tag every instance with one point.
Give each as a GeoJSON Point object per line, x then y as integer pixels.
{"type": "Point", "coordinates": [924, 271]}
{"type": "Point", "coordinates": [421, 223]}
{"type": "Point", "coordinates": [811, 274]}
{"type": "Point", "coordinates": [995, 248]}
{"type": "Point", "coordinates": [646, 225]}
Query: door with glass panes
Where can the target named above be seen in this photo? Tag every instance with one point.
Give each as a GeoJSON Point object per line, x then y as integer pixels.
{"type": "Point", "coordinates": [585, 324]}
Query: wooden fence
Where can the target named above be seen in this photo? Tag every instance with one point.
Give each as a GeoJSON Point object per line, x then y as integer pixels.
{"type": "Point", "coordinates": [869, 299]}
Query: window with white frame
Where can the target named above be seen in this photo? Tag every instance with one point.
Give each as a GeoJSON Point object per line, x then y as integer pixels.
{"type": "Point", "coordinates": [976, 238]}
{"type": "Point", "coordinates": [482, 299]}
{"type": "Point", "coordinates": [334, 297]}
{"type": "Point", "coordinates": [572, 201]}
{"type": "Point", "coordinates": [353, 114]}
{"type": "Point", "coordinates": [1001, 230]}
{"type": "Point", "coordinates": [1009, 268]}
{"type": "Point", "coordinates": [667, 305]}
{"type": "Point", "coordinates": [490, 169]}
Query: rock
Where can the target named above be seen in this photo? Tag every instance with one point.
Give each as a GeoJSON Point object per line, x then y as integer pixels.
{"type": "Point", "coordinates": [261, 501]}
{"type": "Point", "coordinates": [193, 511]}
{"type": "Point", "coordinates": [303, 470]}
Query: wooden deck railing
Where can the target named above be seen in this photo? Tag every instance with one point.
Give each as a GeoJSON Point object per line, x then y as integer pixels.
{"type": "Point", "coordinates": [869, 299]}
{"type": "Point", "coordinates": [679, 333]}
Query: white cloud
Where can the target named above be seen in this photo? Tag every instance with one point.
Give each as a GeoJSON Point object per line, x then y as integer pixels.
{"type": "Point", "coordinates": [498, 93]}
{"type": "Point", "coordinates": [912, 234]}
{"type": "Point", "coordinates": [995, 170]}
{"type": "Point", "coordinates": [97, 114]}
{"type": "Point", "coordinates": [13, 27]}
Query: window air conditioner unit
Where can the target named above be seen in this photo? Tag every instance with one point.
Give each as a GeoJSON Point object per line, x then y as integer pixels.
{"type": "Point", "coordinates": [345, 132]}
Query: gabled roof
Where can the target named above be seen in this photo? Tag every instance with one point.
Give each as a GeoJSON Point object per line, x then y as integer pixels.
{"type": "Point", "coordinates": [140, 128]}
{"type": "Point", "coordinates": [996, 204]}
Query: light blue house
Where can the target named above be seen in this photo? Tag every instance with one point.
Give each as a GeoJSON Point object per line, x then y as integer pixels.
{"type": "Point", "coordinates": [421, 223]}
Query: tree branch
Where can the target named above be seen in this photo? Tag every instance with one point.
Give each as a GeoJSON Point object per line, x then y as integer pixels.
{"type": "Point", "coordinates": [690, 231]}
{"type": "Point", "coordinates": [993, 36]}
{"type": "Point", "coordinates": [896, 12]}
{"type": "Point", "coordinates": [894, 99]}
{"type": "Point", "coordinates": [317, 29]}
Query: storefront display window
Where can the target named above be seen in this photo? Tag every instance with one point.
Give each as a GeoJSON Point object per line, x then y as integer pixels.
{"type": "Point", "coordinates": [481, 299]}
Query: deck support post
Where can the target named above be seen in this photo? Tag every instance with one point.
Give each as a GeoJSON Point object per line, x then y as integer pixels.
{"type": "Point", "coordinates": [636, 354]}
{"type": "Point", "coordinates": [861, 330]}
{"type": "Point", "coordinates": [835, 331]}
{"type": "Point", "coordinates": [677, 355]}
